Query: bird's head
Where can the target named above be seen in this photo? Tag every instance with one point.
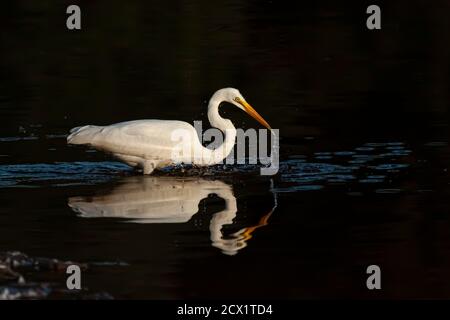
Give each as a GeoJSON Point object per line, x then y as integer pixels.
{"type": "Point", "coordinates": [234, 97]}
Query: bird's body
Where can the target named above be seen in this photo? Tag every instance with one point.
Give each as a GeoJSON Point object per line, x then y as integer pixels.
{"type": "Point", "coordinates": [152, 144]}
{"type": "Point", "coordinates": [139, 143]}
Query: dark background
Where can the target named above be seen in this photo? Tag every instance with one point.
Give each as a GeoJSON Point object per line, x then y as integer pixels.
{"type": "Point", "coordinates": [312, 69]}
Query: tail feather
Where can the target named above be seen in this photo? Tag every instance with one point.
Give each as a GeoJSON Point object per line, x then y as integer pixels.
{"type": "Point", "coordinates": [83, 134]}
{"type": "Point", "coordinates": [76, 129]}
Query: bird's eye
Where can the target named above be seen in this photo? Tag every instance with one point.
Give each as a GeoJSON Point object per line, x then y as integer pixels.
{"type": "Point", "coordinates": [237, 99]}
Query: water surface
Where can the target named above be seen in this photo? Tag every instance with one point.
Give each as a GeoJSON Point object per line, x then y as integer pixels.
{"type": "Point", "coordinates": [363, 178]}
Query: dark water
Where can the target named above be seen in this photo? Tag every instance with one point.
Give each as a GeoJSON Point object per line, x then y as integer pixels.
{"type": "Point", "coordinates": [363, 118]}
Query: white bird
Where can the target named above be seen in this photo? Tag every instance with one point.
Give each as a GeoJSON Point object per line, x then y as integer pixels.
{"type": "Point", "coordinates": [143, 199]}
{"type": "Point", "coordinates": [150, 144]}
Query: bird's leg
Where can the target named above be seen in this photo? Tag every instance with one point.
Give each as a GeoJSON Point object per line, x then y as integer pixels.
{"type": "Point", "coordinates": [148, 166]}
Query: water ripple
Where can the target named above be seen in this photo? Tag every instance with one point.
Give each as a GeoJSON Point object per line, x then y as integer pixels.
{"type": "Point", "coordinates": [371, 164]}
{"type": "Point", "coordinates": [60, 173]}
{"type": "Point", "coordinates": [367, 167]}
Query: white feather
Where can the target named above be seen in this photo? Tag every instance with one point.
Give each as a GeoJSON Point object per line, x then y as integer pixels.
{"type": "Point", "coordinates": [149, 144]}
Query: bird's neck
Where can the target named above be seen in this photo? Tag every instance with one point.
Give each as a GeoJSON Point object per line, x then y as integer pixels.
{"type": "Point", "coordinates": [214, 117]}
{"type": "Point", "coordinates": [228, 129]}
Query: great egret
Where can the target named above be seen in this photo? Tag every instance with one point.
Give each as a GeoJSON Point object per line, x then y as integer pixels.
{"type": "Point", "coordinates": [150, 144]}
{"type": "Point", "coordinates": [144, 199]}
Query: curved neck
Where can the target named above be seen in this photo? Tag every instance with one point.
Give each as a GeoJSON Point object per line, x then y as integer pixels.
{"type": "Point", "coordinates": [228, 129]}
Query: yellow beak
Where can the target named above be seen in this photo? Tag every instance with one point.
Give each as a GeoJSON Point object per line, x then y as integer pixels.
{"type": "Point", "coordinates": [255, 115]}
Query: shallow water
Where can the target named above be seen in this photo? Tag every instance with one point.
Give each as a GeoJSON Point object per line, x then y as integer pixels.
{"type": "Point", "coordinates": [364, 156]}
{"type": "Point", "coordinates": [177, 231]}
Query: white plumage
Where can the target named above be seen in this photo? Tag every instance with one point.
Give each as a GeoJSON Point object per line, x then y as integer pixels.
{"type": "Point", "coordinates": [151, 144]}
{"type": "Point", "coordinates": [168, 200]}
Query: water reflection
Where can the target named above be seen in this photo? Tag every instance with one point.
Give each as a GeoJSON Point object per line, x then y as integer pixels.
{"type": "Point", "coordinates": [144, 199]}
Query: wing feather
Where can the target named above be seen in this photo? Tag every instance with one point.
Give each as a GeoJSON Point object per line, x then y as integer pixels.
{"type": "Point", "coordinates": [148, 139]}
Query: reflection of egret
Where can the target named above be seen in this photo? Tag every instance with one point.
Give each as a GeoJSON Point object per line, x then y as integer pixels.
{"type": "Point", "coordinates": [168, 200]}
{"type": "Point", "coordinates": [150, 144]}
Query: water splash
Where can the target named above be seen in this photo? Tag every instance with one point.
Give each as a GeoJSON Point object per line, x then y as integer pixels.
{"type": "Point", "coordinates": [371, 163]}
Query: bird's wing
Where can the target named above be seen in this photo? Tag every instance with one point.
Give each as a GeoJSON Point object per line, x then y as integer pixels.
{"type": "Point", "coordinates": [149, 139]}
